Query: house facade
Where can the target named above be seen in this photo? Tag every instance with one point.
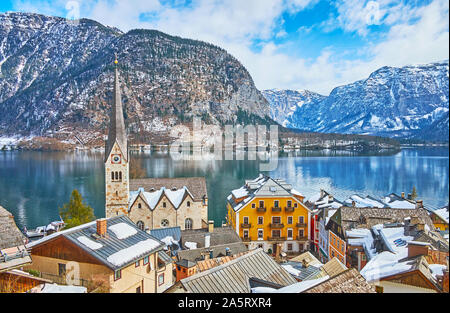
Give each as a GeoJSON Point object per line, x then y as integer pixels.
{"type": "Point", "coordinates": [169, 202]}
{"type": "Point", "coordinates": [111, 254]}
{"type": "Point", "coordinates": [266, 212]}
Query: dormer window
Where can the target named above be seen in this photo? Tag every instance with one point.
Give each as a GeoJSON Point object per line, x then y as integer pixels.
{"type": "Point", "coordinates": [174, 189]}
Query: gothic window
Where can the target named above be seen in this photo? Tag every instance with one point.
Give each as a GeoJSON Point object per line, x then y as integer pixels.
{"type": "Point", "coordinates": [188, 203]}
{"type": "Point", "coordinates": [139, 206]}
{"type": "Point", "coordinates": [120, 176]}
{"type": "Point", "coordinates": [188, 223]}
{"type": "Point", "coordinates": [116, 174]}
{"type": "Point", "coordinates": [140, 225]}
{"type": "Point", "coordinates": [164, 204]}
{"type": "Point", "coordinates": [112, 175]}
{"type": "Point", "coordinates": [165, 223]}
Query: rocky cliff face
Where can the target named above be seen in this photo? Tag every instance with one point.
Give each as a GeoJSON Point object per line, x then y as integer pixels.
{"type": "Point", "coordinates": [57, 78]}
{"type": "Point", "coordinates": [408, 102]}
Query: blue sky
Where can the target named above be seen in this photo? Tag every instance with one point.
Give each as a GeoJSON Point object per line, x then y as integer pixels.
{"type": "Point", "coordinates": [295, 44]}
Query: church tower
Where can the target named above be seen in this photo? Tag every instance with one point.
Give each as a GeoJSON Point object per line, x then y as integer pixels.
{"type": "Point", "coordinates": [117, 188]}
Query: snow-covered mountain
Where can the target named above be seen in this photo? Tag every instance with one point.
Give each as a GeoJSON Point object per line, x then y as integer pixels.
{"type": "Point", "coordinates": [407, 102]}
{"type": "Point", "coordinates": [56, 77]}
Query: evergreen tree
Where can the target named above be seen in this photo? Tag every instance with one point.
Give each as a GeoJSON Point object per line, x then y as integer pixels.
{"type": "Point", "coordinates": [75, 212]}
{"type": "Point", "coordinates": [414, 193]}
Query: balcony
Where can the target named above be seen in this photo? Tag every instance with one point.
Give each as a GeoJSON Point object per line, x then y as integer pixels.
{"type": "Point", "coordinates": [276, 225]}
{"type": "Point", "coordinates": [261, 210]}
{"type": "Point", "coordinates": [246, 239]}
{"type": "Point", "coordinates": [289, 209]}
{"type": "Point", "coordinates": [301, 225]}
{"type": "Point", "coordinates": [276, 209]}
{"type": "Point", "coordinates": [301, 238]}
{"type": "Point", "coordinates": [276, 238]}
{"type": "Point", "coordinates": [244, 225]}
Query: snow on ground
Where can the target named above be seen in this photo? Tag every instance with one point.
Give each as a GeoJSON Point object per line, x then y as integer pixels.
{"type": "Point", "coordinates": [123, 230]}
{"type": "Point", "coordinates": [291, 270]}
{"type": "Point", "coordinates": [169, 240]}
{"type": "Point", "coordinates": [190, 245]}
{"type": "Point", "coordinates": [89, 243]}
{"type": "Point", "coordinates": [437, 269]}
{"type": "Point", "coordinates": [128, 254]}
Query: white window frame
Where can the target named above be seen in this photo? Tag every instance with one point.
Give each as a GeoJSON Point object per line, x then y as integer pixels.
{"type": "Point", "coordinates": [280, 219]}
{"type": "Point", "coordinates": [299, 219]}
{"type": "Point", "coordinates": [243, 220]}
{"type": "Point", "coordinates": [276, 203]}
{"type": "Point", "coordinates": [262, 235]}
{"type": "Point", "coordinates": [261, 217]}
{"type": "Point", "coordinates": [287, 234]}
{"type": "Point", "coordinates": [292, 220]}
{"type": "Point", "coordinates": [244, 232]}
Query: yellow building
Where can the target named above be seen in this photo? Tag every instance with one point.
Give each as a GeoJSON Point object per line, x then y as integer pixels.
{"type": "Point", "coordinates": [266, 212]}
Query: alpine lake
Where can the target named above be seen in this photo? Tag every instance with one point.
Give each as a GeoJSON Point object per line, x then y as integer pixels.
{"type": "Point", "coordinates": [33, 185]}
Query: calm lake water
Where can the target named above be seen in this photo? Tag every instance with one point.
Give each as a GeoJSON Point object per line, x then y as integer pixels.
{"type": "Point", "coordinates": [33, 185]}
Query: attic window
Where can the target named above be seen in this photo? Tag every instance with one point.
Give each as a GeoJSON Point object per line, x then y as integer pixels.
{"type": "Point", "coordinates": [273, 189]}
{"type": "Point", "coordinates": [174, 189]}
{"type": "Point", "coordinates": [152, 189]}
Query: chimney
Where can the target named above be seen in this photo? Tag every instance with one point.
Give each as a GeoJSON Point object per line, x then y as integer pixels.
{"type": "Point", "coordinates": [417, 249]}
{"type": "Point", "coordinates": [210, 226]}
{"type": "Point", "coordinates": [403, 195]}
{"type": "Point", "coordinates": [227, 251]}
{"type": "Point", "coordinates": [207, 240]}
{"type": "Point", "coordinates": [419, 204]}
{"type": "Point", "coordinates": [353, 204]}
{"type": "Point", "coordinates": [102, 226]}
{"type": "Point", "coordinates": [211, 254]}
{"type": "Point", "coordinates": [409, 196]}
{"type": "Point", "coordinates": [330, 198]}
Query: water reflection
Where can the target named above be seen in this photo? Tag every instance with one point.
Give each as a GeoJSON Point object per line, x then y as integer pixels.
{"type": "Point", "coordinates": [34, 184]}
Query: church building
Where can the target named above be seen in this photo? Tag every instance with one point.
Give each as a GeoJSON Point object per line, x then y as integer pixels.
{"type": "Point", "coordinates": [152, 202]}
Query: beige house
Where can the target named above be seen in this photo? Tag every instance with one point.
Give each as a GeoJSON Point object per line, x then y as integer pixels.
{"type": "Point", "coordinates": [169, 202]}
{"type": "Point", "coordinates": [110, 255]}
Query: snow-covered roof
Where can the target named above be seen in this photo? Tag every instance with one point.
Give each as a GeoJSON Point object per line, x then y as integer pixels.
{"type": "Point", "coordinates": [190, 245]}
{"type": "Point", "coordinates": [362, 237]}
{"type": "Point", "coordinates": [442, 213]}
{"type": "Point", "coordinates": [55, 288]}
{"type": "Point", "coordinates": [366, 202]}
{"type": "Point", "coordinates": [153, 197]}
{"type": "Point", "coordinates": [124, 244]}
{"type": "Point", "coordinates": [294, 288]}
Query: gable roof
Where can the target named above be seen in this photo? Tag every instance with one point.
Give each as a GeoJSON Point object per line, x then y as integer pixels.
{"type": "Point", "coordinates": [350, 217]}
{"type": "Point", "coordinates": [10, 235]}
{"type": "Point", "coordinates": [195, 185]}
{"type": "Point", "coordinates": [220, 236]}
{"type": "Point", "coordinates": [233, 276]}
{"type": "Point", "coordinates": [262, 186]}
{"type": "Point", "coordinates": [218, 251]}
{"type": "Point", "coordinates": [348, 281]}
{"type": "Point", "coordinates": [333, 267]}
{"type": "Point", "coordinates": [175, 197]}
{"type": "Point", "coordinates": [113, 252]}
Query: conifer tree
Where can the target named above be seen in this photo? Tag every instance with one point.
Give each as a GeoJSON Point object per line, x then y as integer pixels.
{"type": "Point", "coordinates": [414, 193]}
{"type": "Point", "coordinates": [75, 212]}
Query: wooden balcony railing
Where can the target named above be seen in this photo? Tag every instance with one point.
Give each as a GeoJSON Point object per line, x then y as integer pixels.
{"type": "Point", "coordinates": [276, 225]}
{"type": "Point", "coordinates": [302, 238]}
{"type": "Point", "coordinates": [276, 209]}
{"type": "Point", "coordinates": [301, 225]}
{"type": "Point", "coordinates": [276, 238]}
{"type": "Point", "coordinates": [261, 209]}
{"type": "Point", "coordinates": [244, 225]}
{"type": "Point", "coordinates": [289, 209]}
{"type": "Point", "coordinates": [246, 239]}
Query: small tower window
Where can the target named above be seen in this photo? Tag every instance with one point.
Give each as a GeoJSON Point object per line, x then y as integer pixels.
{"type": "Point", "coordinates": [120, 176]}
{"type": "Point", "coordinates": [112, 175]}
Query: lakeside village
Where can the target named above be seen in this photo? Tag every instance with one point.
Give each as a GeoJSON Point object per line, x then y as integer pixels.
{"type": "Point", "coordinates": [156, 238]}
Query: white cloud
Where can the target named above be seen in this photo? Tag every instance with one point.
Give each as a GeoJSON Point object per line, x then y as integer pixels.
{"type": "Point", "coordinates": [415, 34]}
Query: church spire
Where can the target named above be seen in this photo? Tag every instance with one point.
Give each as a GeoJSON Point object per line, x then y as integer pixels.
{"type": "Point", "coordinates": [117, 132]}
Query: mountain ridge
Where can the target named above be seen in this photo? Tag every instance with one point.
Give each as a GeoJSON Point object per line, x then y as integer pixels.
{"type": "Point", "coordinates": [393, 102]}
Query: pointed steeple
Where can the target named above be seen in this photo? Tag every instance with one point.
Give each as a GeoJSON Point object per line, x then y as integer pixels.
{"type": "Point", "coordinates": [117, 132]}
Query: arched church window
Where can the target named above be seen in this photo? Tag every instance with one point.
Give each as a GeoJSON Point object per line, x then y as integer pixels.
{"type": "Point", "coordinates": [117, 175]}
{"type": "Point", "coordinates": [139, 206]}
{"type": "Point", "coordinates": [120, 176]}
{"type": "Point", "coordinates": [188, 223]}
{"type": "Point", "coordinates": [140, 225]}
{"type": "Point", "coordinates": [188, 203]}
{"type": "Point", "coordinates": [112, 175]}
{"type": "Point", "coordinates": [164, 204]}
{"type": "Point", "coordinates": [165, 223]}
